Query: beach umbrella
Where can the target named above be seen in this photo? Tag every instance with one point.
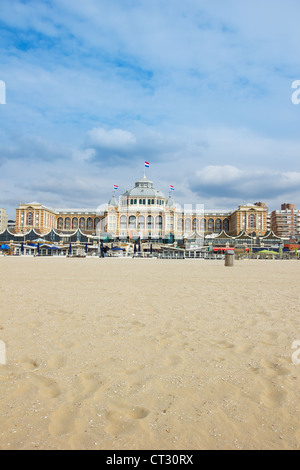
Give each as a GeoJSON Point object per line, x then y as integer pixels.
{"type": "Point", "coordinates": [39, 240]}
{"type": "Point", "coordinates": [22, 248]}
{"type": "Point", "coordinates": [135, 248]}
{"type": "Point", "coordinates": [139, 246]}
{"type": "Point", "coordinates": [86, 248]}
{"type": "Point", "coordinates": [70, 249]}
{"type": "Point", "coordinates": [151, 250]}
{"type": "Point", "coordinates": [268, 252]}
{"type": "Point", "coordinates": [38, 249]}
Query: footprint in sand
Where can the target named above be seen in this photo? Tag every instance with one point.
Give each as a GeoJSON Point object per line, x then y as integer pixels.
{"type": "Point", "coordinates": [225, 344]}
{"type": "Point", "coordinates": [270, 338]}
{"type": "Point", "coordinates": [172, 361]}
{"type": "Point", "coordinates": [274, 397]}
{"type": "Point", "coordinates": [124, 418]}
{"type": "Point", "coordinates": [138, 323]}
{"type": "Point", "coordinates": [90, 384]}
{"type": "Point", "coordinates": [268, 374]}
{"type": "Point", "coordinates": [62, 420]}
{"type": "Point", "coordinates": [273, 369]}
{"type": "Point", "coordinates": [56, 361]}
{"type": "Point", "coordinates": [28, 364]}
{"type": "Point", "coordinates": [47, 387]}
{"type": "Point", "coordinates": [135, 370]}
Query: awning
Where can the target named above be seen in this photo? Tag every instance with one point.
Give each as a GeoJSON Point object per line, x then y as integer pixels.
{"type": "Point", "coordinates": [220, 248]}
{"type": "Point", "coordinates": [51, 247]}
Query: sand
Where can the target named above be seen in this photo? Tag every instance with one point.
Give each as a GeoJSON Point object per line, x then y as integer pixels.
{"type": "Point", "coordinates": [153, 354]}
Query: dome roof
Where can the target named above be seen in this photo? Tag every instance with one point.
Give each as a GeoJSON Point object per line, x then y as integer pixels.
{"type": "Point", "coordinates": [144, 188]}
{"type": "Point", "coordinates": [113, 202]}
{"type": "Point", "coordinates": [170, 202]}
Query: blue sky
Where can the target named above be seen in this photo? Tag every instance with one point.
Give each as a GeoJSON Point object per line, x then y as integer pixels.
{"type": "Point", "coordinates": [202, 90]}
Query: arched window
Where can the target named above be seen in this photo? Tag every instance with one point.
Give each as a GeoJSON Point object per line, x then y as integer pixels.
{"type": "Point", "coordinates": [180, 225]}
{"type": "Point", "coordinates": [226, 225]}
{"type": "Point", "coordinates": [96, 222]}
{"type": "Point", "coordinates": [82, 223]}
{"type": "Point", "coordinates": [123, 222]}
{"type": "Point", "coordinates": [158, 222]}
{"type": "Point", "coordinates": [188, 225]}
{"type": "Point", "coordinates": [218, 226]}
{"type": "Point", "coordinates": [29, 218]}
{"type": "Point", "coordinates": [195, 224]}
{"type": "Point", "coordinates": [141, 222]}
{"type": "Point", "coordinates": [210, 225]}
{"type": "Point", "coordinates": [60, 223]}
{"type": "Point", "coordinates": [150, 222]}
{"type": "Point", "coordinates": [251, 220]}
{"type": "Point", "coordinates": [75, 223]}
{"type": "Point", "coordinates": [203, 225]}
{"type": "Point", "coordinates": [67, 223]}
{"type": "Point", "coordinates": [259, 221]}
{"type": "Point", "coordinates": [132, 222]}
{"type": "Point", "coordinates": [90, 223]}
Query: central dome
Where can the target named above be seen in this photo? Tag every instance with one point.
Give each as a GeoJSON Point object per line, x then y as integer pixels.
{"type": "Point", "coordinates": [144, 188]}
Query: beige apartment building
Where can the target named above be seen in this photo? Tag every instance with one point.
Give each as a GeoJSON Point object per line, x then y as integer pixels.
{"type": "Point", "coordinates": [285, 223]}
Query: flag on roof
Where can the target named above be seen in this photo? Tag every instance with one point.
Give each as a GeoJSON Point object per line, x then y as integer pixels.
{"type": "Point", "coordinates": [171, 187]}
{"type": "Point", "coordinates": [147, 164]}
{"type": "Point", "coordinates": [115, 186]}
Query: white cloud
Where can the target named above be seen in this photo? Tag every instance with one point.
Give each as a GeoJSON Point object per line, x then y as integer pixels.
{"type": "Point", "coordinates": [219, 175]}
{"type": "Point", "coordinates": [237, 185]}
{"type": "Point", "coordinates": [110, 139]}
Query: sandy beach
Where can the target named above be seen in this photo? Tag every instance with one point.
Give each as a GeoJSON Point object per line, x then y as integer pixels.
{"type": "Point", "coordinates": [149, 354]}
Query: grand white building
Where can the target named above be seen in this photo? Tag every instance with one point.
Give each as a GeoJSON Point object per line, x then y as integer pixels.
{"type": "Point", "coordinates": [144, 212]}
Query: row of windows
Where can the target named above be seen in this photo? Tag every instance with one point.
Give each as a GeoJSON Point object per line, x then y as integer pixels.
{"type": "Point", "coordinates": [209, 225]}
{"type": "Point", "coordinates": [142, 202]}
{"type": "Point", "coordinates": [75, 223]}
{"type": "Point", "coordinates": [91, 224]}
{"type": "Point", "coordinates": [205, 225]}
{"type": "Point", "coordinates": [30, 219]}
{"type": "Point", "coordinates": [252, 221]}
{"type": "Point", "coordinates": [139, 222]}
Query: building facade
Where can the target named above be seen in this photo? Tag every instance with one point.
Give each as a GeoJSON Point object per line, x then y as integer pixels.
{"type": "Point", "coordinates": [144, 212]}
{"type": "Point", "coordinates": [3, 219]}
{"type": "Point", "coordinates": [286, 222]}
